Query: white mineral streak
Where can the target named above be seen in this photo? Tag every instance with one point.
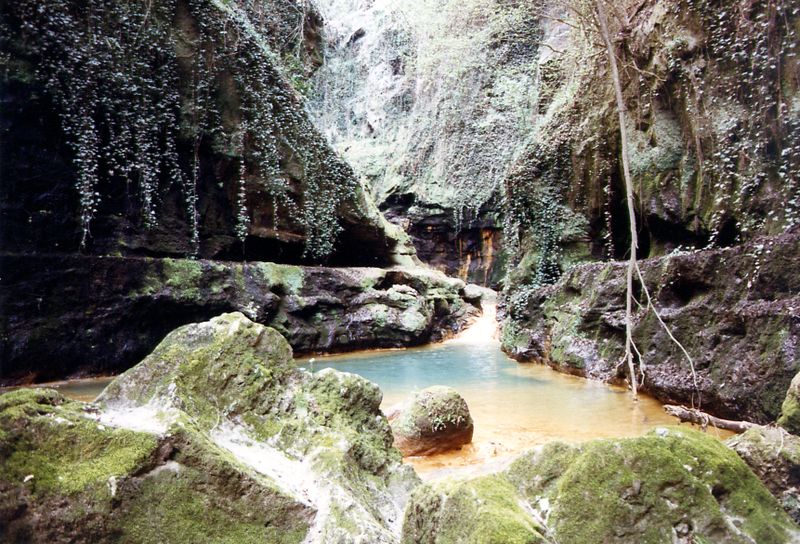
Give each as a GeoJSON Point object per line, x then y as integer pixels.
{"type": "Point", "coordinates": [152, 417]}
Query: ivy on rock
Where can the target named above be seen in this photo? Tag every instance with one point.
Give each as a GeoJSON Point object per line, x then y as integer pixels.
{"type": "Point", "coordinates": [144, 89]}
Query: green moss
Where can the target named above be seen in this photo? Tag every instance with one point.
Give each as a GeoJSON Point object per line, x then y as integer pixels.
{"type": "Point", "coordinates": [184, 506]}
{"type": "Point", "coordinates": [434, 409]}
{"type": "Point", "coordinates": [641, 489]}
{"type": "Point", "coordinates": [183, 274]}
{"type": "Point", "coordinates": [287, 277]}
{"type": "Point", "coordinates": [536, 472]}
{"type": "Point", "coordinates": [673, 483]}
{"type": "Point", "coordinates": [379, 314]}
{"type": "Point", "coordinates": [349, 405]}
{"type": "Point", "coordinates": [482, 511]}
{"type": "Point", "coordinates": [790, 410]}
{"type": "Point", "coordinates": [49, 438]}
{"type": "Point", "coordinates": [227, 366]}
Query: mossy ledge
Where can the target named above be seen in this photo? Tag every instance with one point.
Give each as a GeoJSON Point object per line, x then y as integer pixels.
{"type": "Point", "coordinates": [117, 309]}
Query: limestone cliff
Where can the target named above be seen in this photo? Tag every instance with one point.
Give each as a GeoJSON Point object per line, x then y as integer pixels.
{"type": "Point", "coordinates": [174, 128]}
{"type": "Point", "coordinates": [711, 93]}
{"type": "Point", "coordinates": [430, 101]}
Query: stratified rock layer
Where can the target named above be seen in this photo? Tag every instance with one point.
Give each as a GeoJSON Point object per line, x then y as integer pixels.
{"type": "Point", "coordinates": [64, 316]}
{"type": "Point", "coordinates": [736, 310]}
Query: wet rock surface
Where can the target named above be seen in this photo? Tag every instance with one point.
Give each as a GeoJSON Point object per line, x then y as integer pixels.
{"type": "Point", "coordinates": [736, 310]}
{"type": "Point", "coordinates": [77, 315]}
{"type": "Point", "coordinates": [215, 436]}
{"type": "Point", "coordinates": [470, 249]}
{"type": "Point", "coordinates": [434, 420]}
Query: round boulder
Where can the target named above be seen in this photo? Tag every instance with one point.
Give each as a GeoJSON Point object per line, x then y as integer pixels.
{"type": "Point", "coordinates": [433, 420]}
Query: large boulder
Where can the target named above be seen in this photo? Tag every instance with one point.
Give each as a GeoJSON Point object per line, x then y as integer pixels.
{"type": "Point", "coordinates": [790, 409]}
{"type": "Point", "coordinates": [486, 510]}
{"type": "Point", "coordinates": [91, 315]}
{"type": "Point", "coordinates": [774, 456]}
{"type": "Point", "coordinates": [433, 420]}
{"type": "Point", "coordinates": [216, 424]}
{"type": "Point", "coordinates": [735, 310]}
{"type": "Point", "coordinates": [67, 478]}
{"type": "Point", "coordinates": [672, 485]}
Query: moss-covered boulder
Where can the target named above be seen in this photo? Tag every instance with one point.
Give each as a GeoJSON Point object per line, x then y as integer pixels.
{"type": "Point", "coordinates": [774, 456]}
{"type": "Point", "coordinates": [65, 477]}
{"type": "Point", "coordinates": [226, 367]}
{"type": "Point", "coordinates": [487, 510]}
{"type": "Point", "coordinates": [790, 409]}
{"type": "Point", "coordinates": [672, 485]}
{"type": "Point", "coordinates": [217, 423]}
{"type": "Point", "coordinates": [433, 420]}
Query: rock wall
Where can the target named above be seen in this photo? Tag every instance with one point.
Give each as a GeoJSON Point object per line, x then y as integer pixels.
{"type": "Point", "coordinates": [77, 315]}
{"type": "Point", "coordinates": [135, 135]}
{"type": "Point", "coordinates": [711, 93]}
{"type": "Point", "coordinates": [430, 102]}
{"type": "Point", "coordinates": [735, 310]}
{"type": "Point", "coordinates": [174, 130]}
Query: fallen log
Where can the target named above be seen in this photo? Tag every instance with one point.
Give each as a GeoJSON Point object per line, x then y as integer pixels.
{"type": "Point", "coordinates": [692, 415]}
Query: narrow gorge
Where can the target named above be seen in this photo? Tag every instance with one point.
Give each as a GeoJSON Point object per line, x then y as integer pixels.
{"type": "Point", "coordinates": [430, 271]}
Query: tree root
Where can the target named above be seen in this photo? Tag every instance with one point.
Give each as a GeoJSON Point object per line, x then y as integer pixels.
{"type": "Point", "coordinates": [692, 415]}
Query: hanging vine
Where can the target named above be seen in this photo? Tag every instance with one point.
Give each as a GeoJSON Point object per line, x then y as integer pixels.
{"type": "Point", "coordinates": [141, 88]}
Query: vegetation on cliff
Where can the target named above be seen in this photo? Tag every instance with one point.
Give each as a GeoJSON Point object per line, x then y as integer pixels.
{"type": "Point", "coordinates": [186, 100]}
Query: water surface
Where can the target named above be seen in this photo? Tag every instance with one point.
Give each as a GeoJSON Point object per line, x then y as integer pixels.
{"type": "Point", "coordinates": [514, 406]}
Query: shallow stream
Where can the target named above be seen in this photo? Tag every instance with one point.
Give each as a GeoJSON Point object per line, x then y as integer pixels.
{"type": "Point", "coordinates": [514, 406]}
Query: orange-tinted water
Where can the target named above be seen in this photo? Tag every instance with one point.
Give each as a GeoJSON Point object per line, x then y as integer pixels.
{"type": "Point", "coordinates": [514, 406]}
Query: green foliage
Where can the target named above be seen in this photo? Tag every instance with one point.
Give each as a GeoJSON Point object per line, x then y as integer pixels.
{"type": "Point", "coordinates": [144, 88]}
